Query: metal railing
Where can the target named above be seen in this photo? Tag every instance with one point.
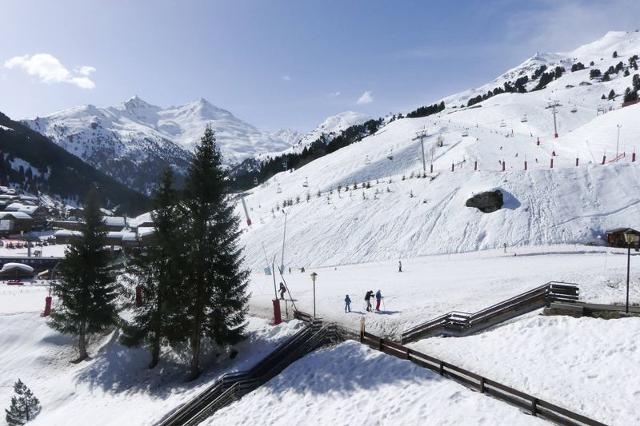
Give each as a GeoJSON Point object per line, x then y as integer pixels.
{"type": "Point", "coordinates": [233, 386]}
{"type": "Point", "coordinates": [457, 323]}
{"type": "Point", "coordinates": [535, 406]}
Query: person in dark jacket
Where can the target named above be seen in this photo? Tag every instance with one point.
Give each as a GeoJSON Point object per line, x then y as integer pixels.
{"type": "Point", "coordinates": [378, 299]}
{"type": "Point", "coordinates": [399, 266]}
{"type": "Point", "coordinates": [282, 290]}
{"type": "Point", "coordinates": [367, 298]}
{"type": "Point", "coordinates": [347, 304]}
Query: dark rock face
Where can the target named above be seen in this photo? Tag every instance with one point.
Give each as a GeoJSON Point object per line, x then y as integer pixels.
{"type": "Point", "coordinates": [486, 202]}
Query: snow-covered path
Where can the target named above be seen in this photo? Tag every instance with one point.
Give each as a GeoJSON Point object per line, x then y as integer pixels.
{"type": "Point", "coordinates": [433, 285]}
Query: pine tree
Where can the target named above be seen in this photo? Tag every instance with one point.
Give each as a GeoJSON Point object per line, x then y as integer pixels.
{"type": "Point", "coordinates": [154, 268]}
{"type": "Point", "coordinates": [24, 405]}
{"type": "Point", "coordinates": [214, 281]}
{"type": "Point", "coordinates": [612, 94]}
{"type": "Point", "coordinates": [87, 291]}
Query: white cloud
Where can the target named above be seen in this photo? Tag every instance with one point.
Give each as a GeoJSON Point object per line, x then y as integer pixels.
{"type": "Point", "coordinates": [335, 94]}
{"type": "Point", "coordinates": [49, 69]}
{"type": "Point", "coordinates": [365, 98]}
{"type": "Point", "coordinates": [86, 70]}
{"type": "Point", "coordinates": [286, 78]}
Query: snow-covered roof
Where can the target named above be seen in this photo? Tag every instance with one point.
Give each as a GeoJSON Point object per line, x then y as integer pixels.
{"type": "Point", "coordinates": [143, 231]}
{"type": "Point", "coordinates": [11, 265]}
{"type": "Point", "coordinates": [15, 215]}
{"type": "Point", "coordinates": [67, 233]}
{"type": "Point", "coordinates": [139, 220]}
{"type": "Point", "coordinates": [115, 221]}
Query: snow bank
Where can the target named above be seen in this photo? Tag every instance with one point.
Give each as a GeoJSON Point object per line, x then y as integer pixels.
{"type": "Point", "coordinates": [586, 364]}
{"type": "Point", "coordinates": [114, 387]}
{"type": "Point", "coordinates": [351, 384]}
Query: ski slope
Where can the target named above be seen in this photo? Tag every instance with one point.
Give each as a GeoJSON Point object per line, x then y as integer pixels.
{"type": "Point", "coordinates": [397, 218]}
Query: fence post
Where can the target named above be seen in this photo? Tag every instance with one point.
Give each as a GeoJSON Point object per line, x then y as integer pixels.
{"type": "Point", "coordinates": [441, 368]}
{"type": "Point", "coordinates": [577, 161]}
{"type": "Point", "coordinates": [552, 162]}
{"type": "Point", "coordinates": [633, 157]}
{"type": "Point", "coordinates": [503, 165]}
{"type": "Point", "coordinates": [361, 329]}
{"type": "Point", "coordinates": [534, 407]}
{"type": "Point", "coordinates": [407, 353]}
{"type": "Point", "coordinates": [475, 165]}
{"type": "Point", "coordinates": [525, 164]}
{"type": "Point", "coordinates": [452, 166]}
{"type": "Point", "coordinates": [380, 344]}
{"type": "Point", "coordinates": [481, 384]}
{"type": "Point", "coordinates": [604, 158]}
{"type": "Point", "coordinates": [431, 168]}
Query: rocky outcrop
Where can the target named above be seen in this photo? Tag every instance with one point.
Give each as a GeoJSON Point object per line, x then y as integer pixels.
{"type": "Point", "coordinates": [486, 202]}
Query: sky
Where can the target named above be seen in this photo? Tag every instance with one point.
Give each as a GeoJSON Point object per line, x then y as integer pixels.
{"type": "Point", "coordinates": [279, 63]}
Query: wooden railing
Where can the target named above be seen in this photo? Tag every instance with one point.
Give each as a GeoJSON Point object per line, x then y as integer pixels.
{"type": "Point", "coordinates": [530, 403]}
{"type": "Point", "coordinates": [233, 386]}
{"type": "Point", "coordinates": [462, 323]}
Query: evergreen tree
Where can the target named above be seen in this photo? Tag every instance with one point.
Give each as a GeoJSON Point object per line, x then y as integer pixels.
{"type": "Point", "coordinates": [154, 269]}
{"type": "Point", "coordinates": [87, 290]}
{"type": "Point", "coordinates": [214, 281]}
{"type": "Point", "coordinates": [24, 405]}
{"type": "Point", "coordinates": [612, 94]}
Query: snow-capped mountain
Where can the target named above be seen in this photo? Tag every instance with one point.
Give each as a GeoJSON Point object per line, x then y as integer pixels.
{"type": "Point", "coordinates": [331, 127]}
{"type": "Point", "coordinates": [548, 198]}
{"type": "Point", "coordinates": [134, 141]}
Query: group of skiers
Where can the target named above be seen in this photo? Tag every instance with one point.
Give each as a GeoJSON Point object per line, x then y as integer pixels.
{"type": "Point", "coordinates": [367, 298]}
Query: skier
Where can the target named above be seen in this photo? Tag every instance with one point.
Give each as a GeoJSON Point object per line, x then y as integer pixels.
{"type": "Point", "coordinates": [378, 299]}
{"type": "Point", "coordinates": [282, 290]}
{"type": "Point", "coordinates": [399, 266]}
{"type": "Point", "coordinates": [347, 304]}
{"type": "Point", "coordinates": [367, 298]}
{"type": "Point", "coordinates": [505, 247]}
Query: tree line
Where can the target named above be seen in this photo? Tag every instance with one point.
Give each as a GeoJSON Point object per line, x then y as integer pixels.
{"type": "Point", "coordinates": [190, 280]}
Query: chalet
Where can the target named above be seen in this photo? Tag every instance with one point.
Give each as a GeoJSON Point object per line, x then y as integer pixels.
{"type": "Point", "coordinates": [15, 271]}
{"type": "Point", "coordinates": [615, 237]}
{"type": "Point", "coordinates": [39, 214]}
{"type": "Point", "coordinates": [15, 222]}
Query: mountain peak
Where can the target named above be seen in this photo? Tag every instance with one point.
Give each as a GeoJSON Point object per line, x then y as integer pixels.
{"type": "Point", "coordinates": [136, 103]}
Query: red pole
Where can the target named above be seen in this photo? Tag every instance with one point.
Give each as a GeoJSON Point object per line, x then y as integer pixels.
{"type": "Point", "coordinates": [552, 162]}
{"type": "Point", "coordinates": [277, 315]}
{"type": "Point", "coordinates": [47, 306]}
{"type": "Point", "coordinates": [604, 158]}
{"type": "Point", "coordinates": [577, 161]}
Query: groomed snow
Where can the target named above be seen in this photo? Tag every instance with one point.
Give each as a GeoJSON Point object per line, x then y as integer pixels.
{"type": "Point", "coordinates": [351, 384]}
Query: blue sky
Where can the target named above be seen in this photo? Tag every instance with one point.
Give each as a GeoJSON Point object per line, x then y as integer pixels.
{"type": "Point", "coordinates": [278, 63]}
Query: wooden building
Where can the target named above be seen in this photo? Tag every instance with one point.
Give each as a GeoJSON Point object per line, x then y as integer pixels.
{"type": "Point", "coordinates": [615, 237]}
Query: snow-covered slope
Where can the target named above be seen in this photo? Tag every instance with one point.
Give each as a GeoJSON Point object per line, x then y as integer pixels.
{"type": "Point", "coordinates": [404, 218]}
{"type": "Point", "coordinates": [134, 141]}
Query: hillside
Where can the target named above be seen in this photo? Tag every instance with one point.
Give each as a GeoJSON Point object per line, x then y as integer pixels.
{"type": "Point", "coordinates": [396, 218]}
{"type": "Point", "coordinates": [133, 141]}
{"type": "Point", "coordinates": [36, 163]}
